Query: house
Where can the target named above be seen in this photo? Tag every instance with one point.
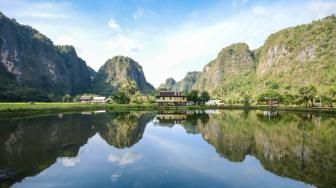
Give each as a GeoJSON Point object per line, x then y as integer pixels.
{"type": "Point", "coordinates": [100, 100]}
{"type": "Point", "coordinates": [171, 98]}
{"type": "Point", "coordinates": [215, 102]}
{"type": "Point", "coordinates": [85, 99]}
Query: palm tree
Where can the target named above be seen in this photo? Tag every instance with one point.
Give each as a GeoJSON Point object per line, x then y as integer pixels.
{"type": "Point", "coordinates": [66, 98]}
{"type": "Point", "coordinates": [130, 87]}
{"type": "Point", "coordinates": [307, 94]}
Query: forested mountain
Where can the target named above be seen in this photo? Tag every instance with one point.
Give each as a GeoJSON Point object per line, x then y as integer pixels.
{"type": "Point", "coordinates": [32, 67]}
{"type": "Point", "coordinates": [120, 72]}
{"type": "Point", "coordinates": [289, 59]}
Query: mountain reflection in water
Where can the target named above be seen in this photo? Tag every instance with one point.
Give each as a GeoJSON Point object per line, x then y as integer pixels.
{"type": "Point", "coordinates": [300, 147]}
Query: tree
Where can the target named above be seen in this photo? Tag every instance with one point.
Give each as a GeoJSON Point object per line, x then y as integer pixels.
{"type": "Point", "coordinates": [204, 97]}
{"type": "Point", "coordinates": [129, 87]}
{"type": "Point", "coordinates": [137, 98]}
{"type": "Point", "coordinates": [326, 100]}
{"type": "Point", "coordinates": [193, 96]}
{"type": "Point", "coordinates": [288, 99]}
{"type": "Point", "coordinates": [332, 94]}
{"type": "Point", "coordinates": [307, 94]}
{"type": "Point", "coordinates": [121, 98]}
{"type": "Point", "coordinates": [270, 95]}
{"type": "Point", "coordinates": [246, 99]}
{"type": "Point", "coordinates": [66, 98]}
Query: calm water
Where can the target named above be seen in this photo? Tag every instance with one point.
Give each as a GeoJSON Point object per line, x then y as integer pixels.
{"type": "Point", "coordinates": [169, 149]}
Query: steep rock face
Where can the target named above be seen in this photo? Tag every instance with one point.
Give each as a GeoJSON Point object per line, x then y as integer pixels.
{"type": "Point", "coordinates": [234, 60]}
{"type": "Point", "coordinates": [232, 63]}
{"type": "Point", "coordinates": [115, 72]}
{"type": "Point", "coordinates": [300, 55]}
{"type": "Point", "coordinates": [30, 65]}
{"type": "Point", "coordinates": [170, 84]}
{"type": "Point", "coordinates": [189, 81]}
{"type": "Point", "coordinates": [184, 85]}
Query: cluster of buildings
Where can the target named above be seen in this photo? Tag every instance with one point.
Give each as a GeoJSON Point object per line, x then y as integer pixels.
{"type": "Point", "coordinates": [176, 98]}
{"type": "Point", "coordinates": [165, 98]}
{"type": "Point", "coordinates": [90, 99]}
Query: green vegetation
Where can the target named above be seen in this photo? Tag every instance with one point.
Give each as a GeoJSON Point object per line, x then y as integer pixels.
{"type": "Point", "coordinates": [196, 97]}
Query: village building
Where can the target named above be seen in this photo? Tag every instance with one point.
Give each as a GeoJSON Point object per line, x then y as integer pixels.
{"type": "Point", "coordinates": [89, 99]}
{"type": "Point", "coordinates": [171, 98]}
{"type": "Point", "coordinates": [99, 100]}
{"type": "Point", "coordinates": [215, 102]}
{"type": "Point", "coordinates": [85, 99]}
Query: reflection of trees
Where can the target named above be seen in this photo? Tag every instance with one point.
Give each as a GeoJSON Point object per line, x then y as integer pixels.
{"type": "Point", "coordinates": [31, 145]}
{"type": "Point", "coordinates": [296, 146]}
{"type": "Point", "coordinates": [125, 128]}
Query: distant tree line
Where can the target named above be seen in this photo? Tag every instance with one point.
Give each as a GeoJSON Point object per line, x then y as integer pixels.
{"type": "Point", "coordinates": [307, 96]}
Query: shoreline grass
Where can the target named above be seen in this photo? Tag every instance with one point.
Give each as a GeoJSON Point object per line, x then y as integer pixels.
{"type": "Point", "coordinates": [18, 110]}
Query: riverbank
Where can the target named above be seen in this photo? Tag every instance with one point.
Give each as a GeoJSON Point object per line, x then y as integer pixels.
{"type": "Point", "coordinates": [18, 110]}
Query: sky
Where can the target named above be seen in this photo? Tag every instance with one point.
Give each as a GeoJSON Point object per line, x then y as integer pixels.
{"type": "Point", "coordinates": [167, 38]}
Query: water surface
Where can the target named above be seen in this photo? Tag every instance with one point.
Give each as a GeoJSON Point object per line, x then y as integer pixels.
{"type": "Point", "coordinates": [169, 149]}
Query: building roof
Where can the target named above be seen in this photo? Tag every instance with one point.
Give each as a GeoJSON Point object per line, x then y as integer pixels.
{"type": "Point", "coordinates": [99, 98]}
{"type": "Point", "coordinates": [171, 94]}
{"type": "Point", "coordinates": [85, 98]}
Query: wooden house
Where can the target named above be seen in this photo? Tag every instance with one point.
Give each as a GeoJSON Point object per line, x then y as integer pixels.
{"type": "Point", "coordinates": [171, 98]}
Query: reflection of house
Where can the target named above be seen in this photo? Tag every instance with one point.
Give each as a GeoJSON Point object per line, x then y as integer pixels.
{"type": "Point", "coordinates": [85, 99]}
{"type": "Point", "coordinates": [171, 117]}
{"type": "Point", "coordinates": [171, 98]}
{"type": "Point", "coordinates": [215, 102]}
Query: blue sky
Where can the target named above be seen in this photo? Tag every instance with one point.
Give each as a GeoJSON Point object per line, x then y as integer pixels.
{"type": "Point", "coordinates": [167, 37]}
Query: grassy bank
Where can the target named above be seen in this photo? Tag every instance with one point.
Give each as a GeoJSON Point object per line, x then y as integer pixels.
{"type": "Point", "coordinates": [13, 110]}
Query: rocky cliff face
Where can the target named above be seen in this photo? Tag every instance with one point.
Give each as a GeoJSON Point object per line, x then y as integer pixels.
{"type": "Point", "coordinates": [170, 84]}
{"type": "Point", "coordinates": [184, 85]}
{"type": "Point", "coordinates": [232, 62]}
{"type": "Point", "coordinates": [32, 67]}
{"type": "Point", "coordinates": [299, 56]}
{"type": "Point", "coordinates": [115, 72]}
{"type": "Point", "coordinates": [289, 59]}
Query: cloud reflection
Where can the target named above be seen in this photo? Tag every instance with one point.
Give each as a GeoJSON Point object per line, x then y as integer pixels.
{"type": "Point", "coordinates": [128, 158]}
{"type": "Point", "coordinates": [69, 161]}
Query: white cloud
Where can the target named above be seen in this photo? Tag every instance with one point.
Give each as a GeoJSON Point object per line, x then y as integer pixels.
{"type": "Point", "coordinates": [260, 10]}
{"type": "Point", "coordinates": [125, 159]}
{"type": "Point", "coordinates": [115, 176]}
{"type": "Point", "coordinates": [123, 45]}
{"type": "Point", "coordinates": [69, 161]}
{"type": "Point", "coordinates": [138, 14]}
{"type": "Point", "coordinates": [38, 10]}
{"type": "Point", "coordinates": [114, 25]}
{"type": "Point", "coordinates": [142, 13]}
